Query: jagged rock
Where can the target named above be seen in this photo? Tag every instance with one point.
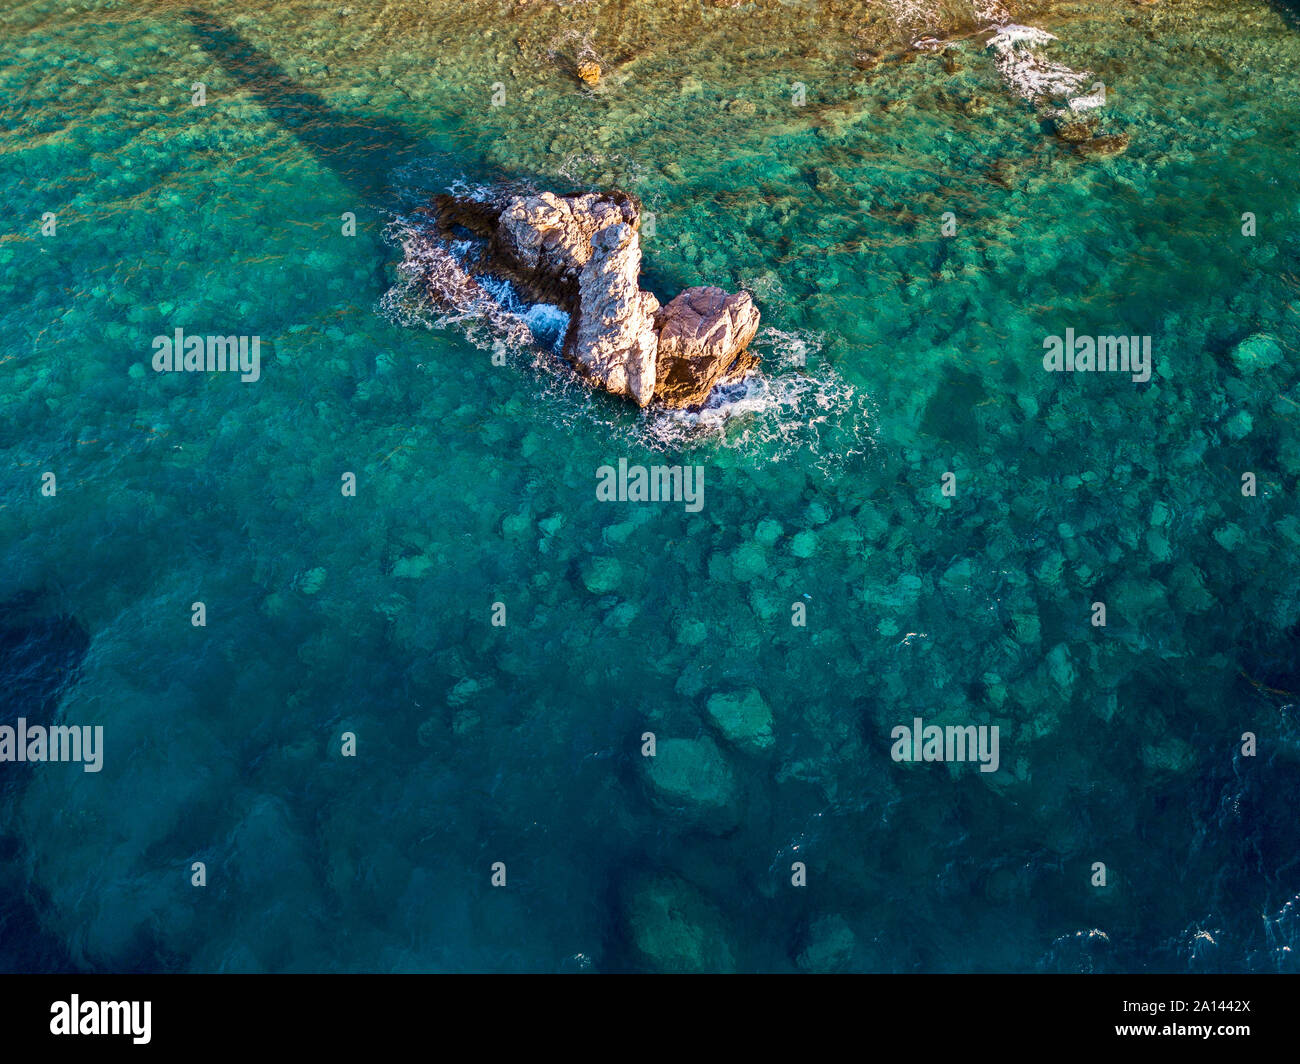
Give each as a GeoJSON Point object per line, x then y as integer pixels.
{"type": "Point", "coordinates": [545, 240]}
{"type": "Point", "coordinates": [703, 336]}
{"type": "Point", "coordinates": [538, 242]}
{"type": "Point", "coordinates": [615, 340]}
{"type": "Point", "coordinates": [582, 253]}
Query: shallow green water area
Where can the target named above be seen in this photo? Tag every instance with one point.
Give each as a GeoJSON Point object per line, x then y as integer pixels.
{"type": "Point", "coordinates": [922, 355]}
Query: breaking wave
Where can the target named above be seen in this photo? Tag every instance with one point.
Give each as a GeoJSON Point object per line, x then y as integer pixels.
{"type": "Point", "coordinates": [794, 400]}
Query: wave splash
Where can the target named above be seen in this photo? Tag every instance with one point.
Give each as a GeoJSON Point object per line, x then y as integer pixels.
{"type": "Point", "coordinates": [786, 405]}
{"type": "Point", "coordinates": [788, 408]}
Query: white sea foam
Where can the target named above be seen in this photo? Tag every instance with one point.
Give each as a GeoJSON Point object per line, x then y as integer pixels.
{"type": "Point", "coordinates": [790, 402]}
{"type": "Point", "coordinates": [1090, 102]}
{"type": "Point", "coordinates": [463, 189]}
{"type": "Point", "coordinates": [548, 324]}
{"type": "Point", "coordinates": [1029, 73]}
{"type": "Point", "coordinates": [1014, 33]}
{"type": "Point", "coordinates": [490, 313]}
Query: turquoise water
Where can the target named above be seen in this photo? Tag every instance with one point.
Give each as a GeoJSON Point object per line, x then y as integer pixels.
{"type": "Point", "coordinates": [893, 355]}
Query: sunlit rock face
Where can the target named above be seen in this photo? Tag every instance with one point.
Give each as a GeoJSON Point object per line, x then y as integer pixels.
{"type": "Point", "coordinates": [703, 336]}
{"type": "Point", "coordinates": [612, 339]}
{"type": "Point", "coordinates": [582, 253]}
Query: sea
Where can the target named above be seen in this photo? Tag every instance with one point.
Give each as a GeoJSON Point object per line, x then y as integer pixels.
{"type": "Point", "coordinates": [386, 685]}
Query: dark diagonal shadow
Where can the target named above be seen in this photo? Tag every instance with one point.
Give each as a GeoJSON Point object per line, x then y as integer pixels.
{"type": "Point", "coordinates": [1290, 11]}
{"type": "Point", "coordinates": [361, 150]}
{"type": "Point", "coordinates": [40, 659]}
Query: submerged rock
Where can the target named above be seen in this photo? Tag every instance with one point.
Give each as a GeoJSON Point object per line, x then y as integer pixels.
{"type": "Point", "coordinates": [743, 718]}
{"type": "Point", "coordinates": [582, 253]}
{"type": "Point", "coordinates": [691, 777]}
{"type": "Point", "coordinates": [1256, 352]}
{"type": "Point", "coordinates": [1102, 147]}
{"type": "Point", "coordinates": [673, 928]}
{"type": "Point", "coordinates": [1075, 132]}
{"type": "Point", "coordinates": [1173, 755]}
{"type": "Point", "coordinates": [829, 945]}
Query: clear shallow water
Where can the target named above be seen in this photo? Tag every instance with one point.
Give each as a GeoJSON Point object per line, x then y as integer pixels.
{"type": "Point", "coordinates": [476, 485]}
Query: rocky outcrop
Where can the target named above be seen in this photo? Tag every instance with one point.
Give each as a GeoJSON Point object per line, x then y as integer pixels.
{"type": "Point", "coordinates": [582, 253]}
{"type": "Point", "coordinates": [612, 337]}
{"type": "Point", "coordinates": [545, 240]}
{"type": "Point", "coordinates": [703, 336]}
